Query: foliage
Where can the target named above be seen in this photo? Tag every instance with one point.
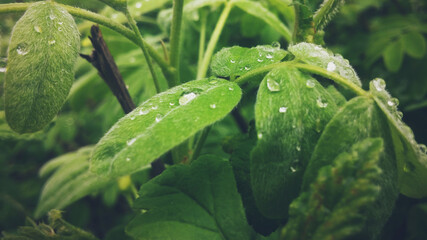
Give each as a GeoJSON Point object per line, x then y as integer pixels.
{"type": "Point", "coordinates": [253, 119]}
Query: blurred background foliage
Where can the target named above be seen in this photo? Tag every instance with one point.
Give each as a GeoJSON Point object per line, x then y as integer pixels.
{"type": "Point", "coordinates": [381, 38]}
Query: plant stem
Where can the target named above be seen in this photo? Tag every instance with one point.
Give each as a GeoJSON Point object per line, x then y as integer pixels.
{"type": "Point", "coordinates": [175, 37]}
{"type": "Point", "coordinates": [144, 49]}
{"type": "Point", "coordinates": [214, 40]}
{"type": "Point", "coordinates": [96, 18]}
{"type": "Point", "coordinates": [200, 143]}
{"type": "Point", "coordinates": [202, 40]}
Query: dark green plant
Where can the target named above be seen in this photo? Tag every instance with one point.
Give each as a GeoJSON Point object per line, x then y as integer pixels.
{"type": "Point", "coordinates": [324, 158]}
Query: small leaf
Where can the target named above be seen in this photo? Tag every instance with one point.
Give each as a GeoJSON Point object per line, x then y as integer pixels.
{"type": "Point", "coordinates": [43, 49]}
{"type": "Point", "coordinates": [290, 115]}
{"type": "Point", "coordinates": [333, 207]}
{"type": "Point", "coordinates": [359, 119]}
{"type": "Point", "coordinates": [393, 56]}
{"type": "Point", "coordinates": [70, 182]}
{"type": "Point", "coordinates": [411, 156]}
{"type": "Point", "coordinates": [236, 61]}
{"type": "Point", "coordinates": [316, 55]}
{"type": "Point", "coordinates": [414, 44]}
{"type": "Point", "coordinates": [162, 122]}
{"type": "Point", "coordinates": [191, 203]}
{"type": "Point", "coordinates": [257, 10]}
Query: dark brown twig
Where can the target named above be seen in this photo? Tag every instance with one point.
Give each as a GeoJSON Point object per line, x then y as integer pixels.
{"type": "Point", "coordinates": [102, 60]}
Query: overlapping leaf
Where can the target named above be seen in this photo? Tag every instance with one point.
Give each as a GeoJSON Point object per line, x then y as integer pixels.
{"type": "Point", "coordinates": [161, 123]}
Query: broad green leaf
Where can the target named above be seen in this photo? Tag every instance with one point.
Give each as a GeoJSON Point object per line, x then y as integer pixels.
{"type": "Point", "coordinates": [70, 182]}
{"type": "Point", "coordinates": [414, 44]}
{"type": "Point", "coordinates": [411, 156]}
{"type": "Point", "coordinates": [193, 202]}
{"type": "Point", "coordinates": [393, 56]}
{"type": "Point", "coordinates": [316, 55]}
{"type": "Point", "coordinates": [236, 61]}
{"type": "Point", "coordinates": [360, 118]}
{"type": "Point", "coordinates": [256, 9]}
{"type": "Point", "coordinates": [162, 122]}
{"type": "Point", "coordinates": [43, 49]}
{"type": "Point", "coordinates": [333, 206]}
{"type": "Point", "coordinates": [291, 111]}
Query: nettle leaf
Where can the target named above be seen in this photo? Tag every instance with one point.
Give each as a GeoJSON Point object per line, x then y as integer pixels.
{"type": "Point", "coordinates": [256, 9]}
{"type": "Point", "coordinates": [316, 55]}
{"type": "Point", "coordinates": [70, 181]}
{"type": "Point", "coordinates": [291, 111]}
{"type": "Point", "coordinates": [236, 61]}
{"type": "Point", "coordinates": [199, 201]}
{"type": "Point", "coordinates": [414, 44]}
{"type": "Point", "coordinates": [333, 206]}
{"type": "Point", "coordinates": [411, 156]}
{"type": "Point", "coordinates": [42, 51]}
{"type": "Point", "coordinates": [360, 118]}
{"type": "Point", "coordinates": [162, 122]}
{"type": "Point", "coordinates": [393, 56]}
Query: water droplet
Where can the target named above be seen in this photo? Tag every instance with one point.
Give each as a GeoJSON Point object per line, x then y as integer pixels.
{"type": "Point", "coordinates": [186, 98]}
{"type": "Point", "coordinates": [399, 115]}
{"type": "Point", "coordinates": [294, 165]}
{"type": "Point", "coordinates": [272, 85]}
{"type": "Point", "coordinates": [51, 42]}
{"type": "Point", "coordinates": [259, 135]}
{"type": "Point", "coordinates": [310, 83]}
{"type": "Point", "coordinates": [247, 68]}
{"type": "Point", "coordinates": [138, 5]}
{"type": "Point", "coordinates": [51, 16]}
{"type": "Point", "coordinates": [269, 56]}
{"type": "Point", "coordinates": [422, 148]}
{"type": "Point", "coordinates": [154, 107]}
{"type": "Point", "coordinates": [230, 88]}
{"type": "Point", "coordinates": [260, 60]}
{"type": "Point", "coordinates": [283, 109]}
{"type": "Point", "coordinates": [317, 48]}
{"type": "Point", "coordinates": [213, 106]}
{"type": "Point", "coordinates": [60, 29]}
{"type": "Point", "coordinates": [22, 49]}
{"type": "Point", "coordinates": [213, 82]}
{"type": "Point", "coordinates": [394, 102]}
{"type": "Point", "coordinates": [143, 112]}
{"type": "Point", "coordinates": [37, 29]}
{"type": "Point", "coordinates": [275, 44]}
{"type": "Point", "coordinates": [132, 118]}
{"type": "Point", "coordinates": [379, 84]}
{"type": "Point", "coordinates": [321, 104]}
{"type": "Point", "coordinates": [232, 61]}
{"type": "Point", "coordinates": [158, 117]}
{"type": "Point", "coordinates": [171, 104]}
{"type": "Point", "coordinates": [2, 69]}
{"type": "Point", "coordinates": [298, 148]}
{"type": "Point", "coordinates": [408, 167]}
{"type": "Point", "coordinates": [127, 159]}
{"type": "Point", "coordinates": [331, 67]}
{"type": "Point", "coordinates": [60, 23]}
{"type": "Point", "coordinates": [130, 142]}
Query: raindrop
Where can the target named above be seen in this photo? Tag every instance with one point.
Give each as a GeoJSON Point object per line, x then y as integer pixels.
{"type": "Point", "coordinates": [399, 114]}
{"type": "Point", "coordinates": [269, 56]}
{"type": "Point", "coordinates": [171, 104]}
{"type": "Point", "coordinates": [37, 29]}
{"type": "Point", "coordinates": [408, 167]}
{"type": "Point", "coordinates": [60, 23]}
{"type": "Point", "coordinates": [321, 104]}
{"type": "Point", "coordinates": [283, 109]}
{"type": "Point", "coordinates": [232, 61]}
{"type": "Point", "coordinates": [310, 83]}
{"type": "Point", "coordinates": [275, 44]}
{"type": "Point", "coordinates": [22, 49]}
{"type": "Point", "coordinates": [51, 42]}
{"type": "Point", "coordinates": [213, 82]}
{"type": "Point", "coordinates": [247, 68]}
{"type": "Point", "coordinates": [298, 148]}
{"type": "Point", "coordinates": [158, 118]}
{"type": "Point", "coordinates": [423, 148]}
{"type": "Point", "coordinates": [394, 102]}
{"type": "Point", "coordinates": [60, 29]}
{"type": "Point", "coordinates": [260, 60]}
{"type": "Point", "coordinates": [132, 118]}
{"type": "Point", "coordinates": [154, 107]}
{"type": "Point", "coordinates": [379, 84]}
{"type": "Point", "coordinates": [2, 69]}
{"type": "Point", "coordinates": [294, 166]}
{"type": "Point", "coordinates": [130, 142]}
{"type": "Point", "coordinates": [331, 67]}
{"type": "Point", "coordinates": [138, 5]}
{"type": "Point", "coordinates": [272, 85]}
{"type": "Point", "coordinates": [230, 88]}
{"type": "Point", "coordinates": [259, 135]}
{"type": "Point", "coordinates": [186, 98]}
{"type": "Point", "coordinates": [143, 112]}
{"type": "Point", "coordinates": [213, 106]}
{"type": "Point", "coordinates": [127, 159]}
{"type": "Point", "coordinates": [51, 16]}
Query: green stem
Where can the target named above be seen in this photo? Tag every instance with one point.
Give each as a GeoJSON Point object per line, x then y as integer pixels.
{"type": "Point", "coordinates": [200, 143]}
{"type": "Point", "coordinates": [214, 40]}
{"type": "Point", "coordinates": [202, 44]}
{"type": "Point", "coordinates": [94, 17]}
{"type": "Point", "coordinates": [175, 37]}
{"type": "Point", "coordinates": [144, 49]}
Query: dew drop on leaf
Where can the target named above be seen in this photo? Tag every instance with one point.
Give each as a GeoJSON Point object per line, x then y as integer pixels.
{"type": "Point", "coordinates": [130, 142]}
{"type": "Point", "coordinates": [259, 135]}
{"type": "Point", "coordinates": [52, 17]}
{"type": "Point", "coordinates": [230, 88]}
{"type": "Point", "coordinates": [37, 29]}
{"type": "Point", "coordinates": [138, 5]}
{"type": "Point", "coordinates": [294, 166]}
{"type": "Point", "coordinates": [394, 102]}
{"type": "Point", "coordinates": [22, 49]}
{"type": "Point", "coordinates": [379, 84]}
{"type": "Point", "coordinates": [331, 67]}
{"type": "Point", "coordinates": [422, 148]}
{"type": "Point", "coordinates": [154, 107]}
{"type": "Point", "coordinates": [298, 148]}
{"type": "Point", "coordinates": [310, 83]}
{"type": "Point", "coordinates": [272, 85]}
{"type": "Point", "coordinates": [127, 159]}
{"type": "Point", "coordinates": [51, 42]}
{"type": "Point", "coordinates": [159, 117]}
{"type": "Point", "coordinates": [143, 112]}
{"type": "Point", "coordinates": [186, 98]}
{"type": "Point", "coordinates": [408, 167]}
{"type": "Point", "coordinates": [260, 60]}
{"type": "Point", "coordinates": [269, 56]}
{"type": "Point", "coordinates": [232, 61]}
{"type": "Point", "coordinates": [213, 106]}
{"type": "Point", "coordinates": [171, 104]}
{"type": "Point", "coordinates": [321, 103]}
{"type": "Point", "coordinates": [283, 109]}
{"type": "Point", "coordinates": [247, 68]}
{"type": "Point", "coordinates": [275, 44]}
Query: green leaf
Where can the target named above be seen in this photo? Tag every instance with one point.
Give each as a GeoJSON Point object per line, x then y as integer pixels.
{"type": "Point", "coordinates": [43, 49]}
{"type": "Point", "coordinates": [197, 4]}
{"type": "Point", "coordinates": [291, 111]}
{"type": "Point", "coordinates": [359, 119]}
{"type": "Point", "coordinates": [414, 44]}
{"type": "Point", "coordinates": [236, 61]}
{"type": "Point", "coordinates": [162, 122]}
{"type": "Point", "coordinates": [191, 203]}
{"type": "Point", "coordinates": [411, 156]}
{"type": "Point", "coordinates": [256, 9]}
{"type": "Point", "coordinates": [70, 182]}
{"type": "Point", "coordinates": [393, 56]}
{"type": "Point", "coordinates": [333, 207]}
{"type": "Point", "coordinates": [316, 55]}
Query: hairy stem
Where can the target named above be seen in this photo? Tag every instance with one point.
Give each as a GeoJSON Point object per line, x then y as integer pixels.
{"type": "Point", "coordinates": [144, 49]}
{"type": "Point", "coordinates": [202, 41]}
{"type": "Point", "coordinates": [200, 143]}
{"type": "Point", "coordinates": [175, 37]}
